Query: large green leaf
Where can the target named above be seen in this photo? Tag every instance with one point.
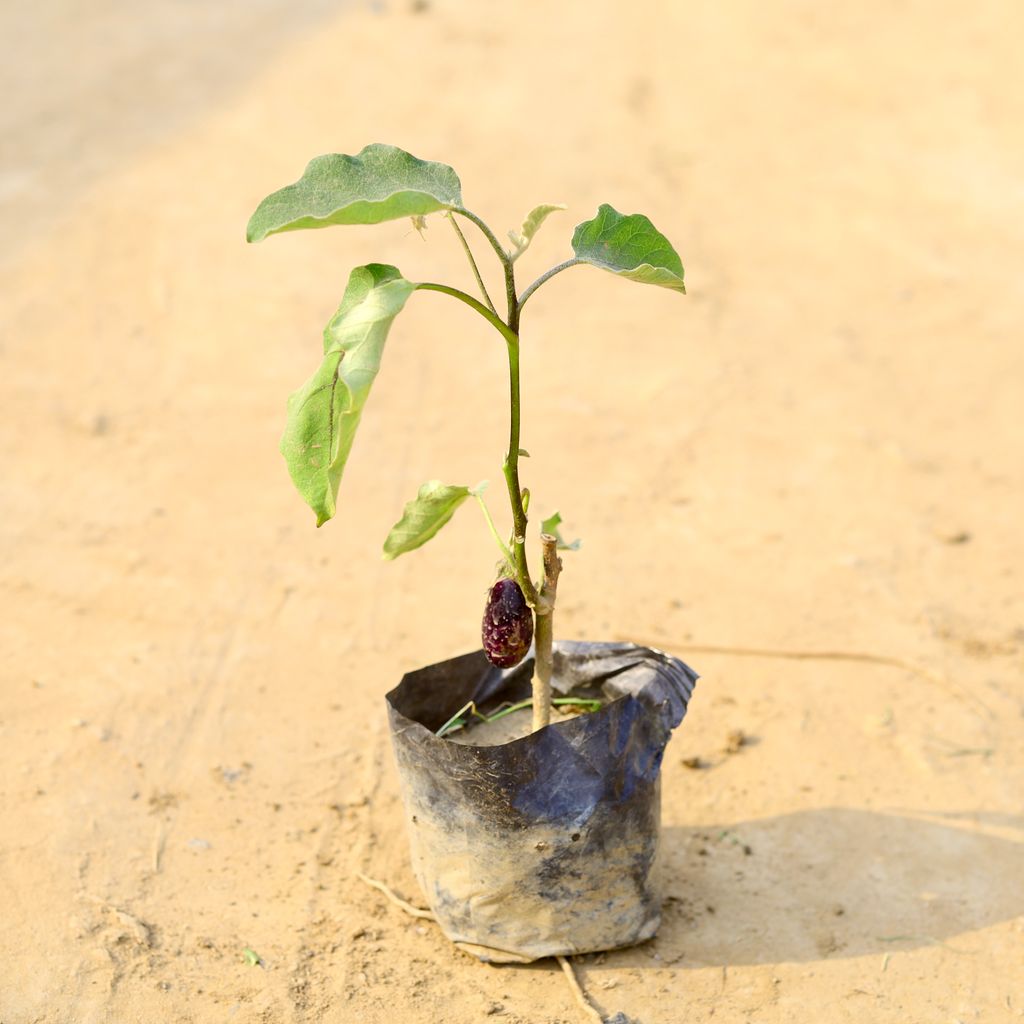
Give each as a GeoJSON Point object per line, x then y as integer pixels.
{"type": "Point", "coordinates": [324, 413]}
{"type": "Point", "coordinates": [432, 507]}
{"type": "Point", "coordinates": [629, 246]}
{"type": "Point", "coordinates": [379, 183]}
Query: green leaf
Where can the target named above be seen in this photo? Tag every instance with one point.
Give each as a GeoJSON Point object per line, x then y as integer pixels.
{"type": "Point", "coordinates": [432, 507]}
{"type": "Point", "coordinates": [251, 958]}
{"type": "Point", "coordinates": [550, 526]}
{"type": "Point", "coordinates": [324, 413]}
{"type": "Point", "coordinates": [534, 219]}
{"type": "Point", "coordinates": [379, 183]}
{"type": "Point", "coordinates": [630, 247]}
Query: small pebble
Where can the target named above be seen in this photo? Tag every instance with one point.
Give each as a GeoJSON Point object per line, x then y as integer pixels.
{"type": "Point", "coordinates": [735, 741]}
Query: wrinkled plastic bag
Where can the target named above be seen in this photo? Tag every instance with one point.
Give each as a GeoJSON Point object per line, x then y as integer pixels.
{"type": "Point", "coordinates": [543, 845]}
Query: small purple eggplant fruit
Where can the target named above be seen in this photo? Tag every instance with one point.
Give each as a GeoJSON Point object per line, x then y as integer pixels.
{"type": "Point", "coordinates": [507, 629]}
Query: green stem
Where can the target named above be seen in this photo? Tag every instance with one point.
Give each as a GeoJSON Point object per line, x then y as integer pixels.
{"type": "Point", "coordinates": [506, 263]}
{"type": "Point", "coordinates": [546, 277]}
{"type": "Point", "coordinates": [494, 532]}
{"type": "Point", "coordinates": [472, 262]}
{"type": "Point", "coordinates": [583, 702]}
{"type": "Point", "coordinates": [511, 471]}
{"type": "Point", "coordinates": [453, 723]}
{"type": "Point", "coordinates": [511, 467]}
{"type": "Point", "coordinates": [543, 603]}
{"type": "Point", "coordinates": [588, 704]}
{"type": "Point", "coordinates": [491, 317]}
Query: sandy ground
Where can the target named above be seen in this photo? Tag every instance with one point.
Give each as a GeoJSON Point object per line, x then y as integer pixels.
{"type": "Point", "coordinates": [818, 450]}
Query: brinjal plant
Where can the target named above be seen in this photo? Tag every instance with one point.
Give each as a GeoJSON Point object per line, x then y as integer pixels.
{"type": "Point", "coordinates": [383, 183]}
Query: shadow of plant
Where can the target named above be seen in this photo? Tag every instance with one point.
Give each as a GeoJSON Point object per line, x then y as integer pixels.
{"type": "Point", "coordinates": [832, 882]}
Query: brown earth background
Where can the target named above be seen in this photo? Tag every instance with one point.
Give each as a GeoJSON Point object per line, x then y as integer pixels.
{"type": "Point", "coordinates": [819, 449]}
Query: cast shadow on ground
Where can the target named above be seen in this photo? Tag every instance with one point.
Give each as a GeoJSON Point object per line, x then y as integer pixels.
{"type": "Point", "coordinates": [834, 882]}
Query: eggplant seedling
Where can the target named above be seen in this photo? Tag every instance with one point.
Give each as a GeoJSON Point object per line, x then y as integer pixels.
{"type": "Point", "coordinates": [384, 183]}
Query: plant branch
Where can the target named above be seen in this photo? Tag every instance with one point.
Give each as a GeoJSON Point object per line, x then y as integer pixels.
{"type": "Point", "coordinates": [491, 317]}
{"type": "Point", "coordinates": [506, 263]}
{"type": "Point", "coordinates": [544, 632]}
{"type": "Point", "coordinates": [472, 262]}
{"type": "Point", "coordinates": [546, 277]}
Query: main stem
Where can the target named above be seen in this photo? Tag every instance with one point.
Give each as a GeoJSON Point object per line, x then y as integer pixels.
{"type": "Point", "coordinates": [543, 603]}
{"type": "Point", "coordinates": [511, 471]}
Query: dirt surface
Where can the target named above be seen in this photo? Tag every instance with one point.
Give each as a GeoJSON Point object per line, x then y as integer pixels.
{"type": "Point", "coordinates": [819, 449]}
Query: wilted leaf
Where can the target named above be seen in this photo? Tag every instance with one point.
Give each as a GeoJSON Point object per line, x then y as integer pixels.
{"type": "Point", "coordinates": [550, 526]}
{"type": "Point", "coordinates": [629, 246]}
{"type": "Point", "coordinates": [379, 183]}
{"type": "Point", "coordinates": [324, 413]}
{"type": "Point", "coordinates": [432, 507]}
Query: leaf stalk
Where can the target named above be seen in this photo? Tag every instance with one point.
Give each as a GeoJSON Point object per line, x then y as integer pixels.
{"type": "Point", "coordinates": [546, 276]}
{"type": "Point", "coordinates": [506, 263]}
{"type": "Point", "coordinates": [494, 530]}
{"type": "Point", "coordinates": [472, 262]}
{"type": "Point", "coordinates": [491, 317]}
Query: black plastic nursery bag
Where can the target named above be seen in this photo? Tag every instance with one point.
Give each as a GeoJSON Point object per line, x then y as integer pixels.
{"type": "Point", "coordinates": [543, 845]}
